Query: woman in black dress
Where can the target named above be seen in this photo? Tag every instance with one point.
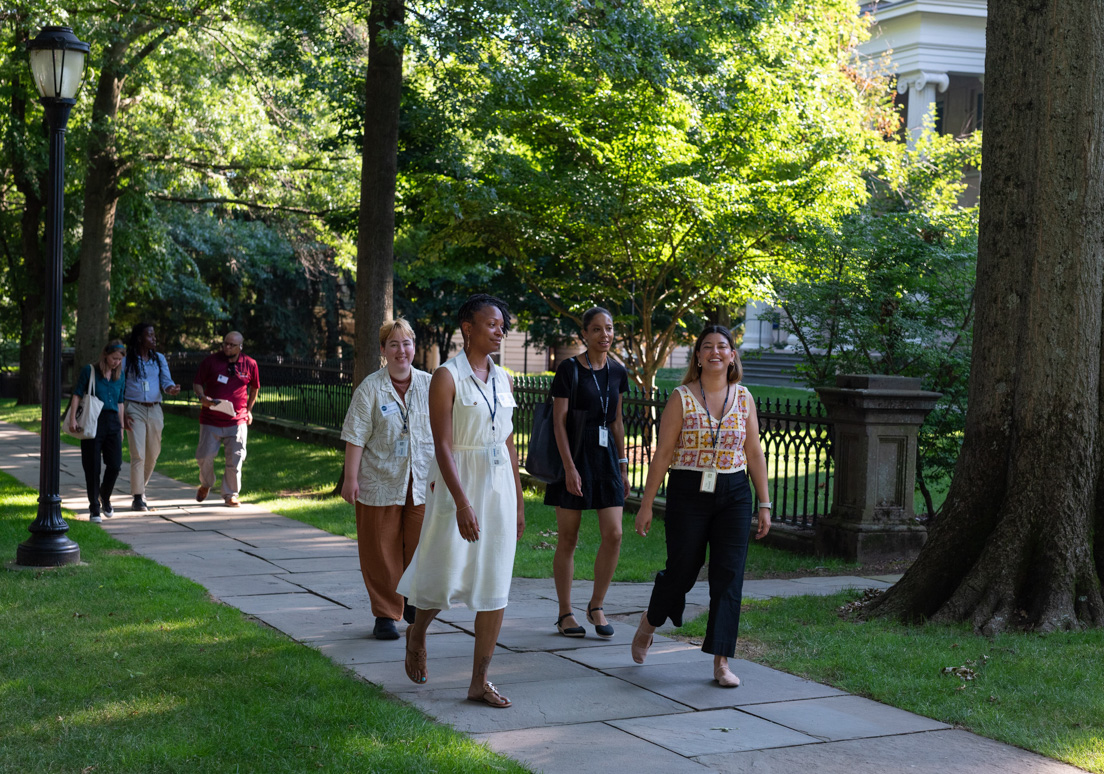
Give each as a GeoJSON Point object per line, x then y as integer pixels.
{"type": "Point", "coordinates": [595, 467]}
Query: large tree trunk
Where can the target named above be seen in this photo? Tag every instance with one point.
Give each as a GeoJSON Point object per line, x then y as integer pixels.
{"type": "Point", "coordinates": [101, 196]}
{"type": "Point", "coordinates": [379, 168]}
{"type": "Point", "coordinates": [1015, 544]}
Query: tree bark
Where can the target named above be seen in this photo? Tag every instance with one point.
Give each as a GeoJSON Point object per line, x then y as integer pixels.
{"type": "Point", "coordinates": [379, 169]}
{"type": "Point", "coordinates": [1018, 544]}
{"type": "Point", "coordinates": [101, 196]}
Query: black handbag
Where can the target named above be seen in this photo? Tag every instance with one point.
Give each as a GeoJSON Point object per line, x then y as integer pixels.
{"type": "Point", "coordinates": [543, 461]}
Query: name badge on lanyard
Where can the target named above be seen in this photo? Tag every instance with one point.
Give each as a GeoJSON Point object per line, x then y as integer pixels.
{"type": "Point", "coordinates": [603, 436]}
{"type": "Point", "coordinates": [402, 447]}
{"type": "Point", "coordinates": [709, 481]}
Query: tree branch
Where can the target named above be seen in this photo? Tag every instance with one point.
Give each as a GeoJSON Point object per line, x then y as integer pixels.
{"type": "Point", "coordinates": [246, 203]}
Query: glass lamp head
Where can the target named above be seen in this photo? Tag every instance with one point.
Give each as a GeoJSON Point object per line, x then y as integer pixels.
{"type": "Point", "coordinates": [57, 62]}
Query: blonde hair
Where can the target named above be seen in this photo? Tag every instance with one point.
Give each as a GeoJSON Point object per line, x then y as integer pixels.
{"type": "Point", "coordinates": [693, 370]}
{"type": "Point", "coordinates": [115, 345]}
{"type": "Point", "coordinates": [398, 324]}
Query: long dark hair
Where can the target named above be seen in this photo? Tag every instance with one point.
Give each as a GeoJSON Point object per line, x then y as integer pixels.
{"type": "Point", "coordinates": [132, 346]}
{"type": "Point", "coordinates": [693, 370]}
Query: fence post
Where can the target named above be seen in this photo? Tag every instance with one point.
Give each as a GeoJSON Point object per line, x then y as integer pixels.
{"type": "Point", "coordinates": [876, 420]}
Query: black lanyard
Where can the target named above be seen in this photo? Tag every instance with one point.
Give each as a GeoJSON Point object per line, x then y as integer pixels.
{"type": "Point", "coordinates": [705, 403]}
{"type": "Point", "coordinates": [399, 406]}
{"type": "Point", "coordinates": [604, 401]}
{"type": "Point", "coordinates": [492, 405]}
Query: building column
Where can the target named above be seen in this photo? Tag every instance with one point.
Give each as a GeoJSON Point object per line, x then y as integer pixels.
{"type": "Point", "coordinates": [758, 333]}
{"type": "Point", "coordinates": [921, 88]}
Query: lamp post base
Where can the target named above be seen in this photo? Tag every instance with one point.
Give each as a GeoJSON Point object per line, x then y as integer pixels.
{"type": "Point", "coordinates": [47, 549]}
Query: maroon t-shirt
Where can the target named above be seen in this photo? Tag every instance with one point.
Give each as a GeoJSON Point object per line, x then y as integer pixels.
{"type": "Point", "coordinates": [223, 380]}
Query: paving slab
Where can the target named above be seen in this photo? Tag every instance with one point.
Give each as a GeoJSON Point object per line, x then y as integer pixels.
{"type": "Point", "coordinates": [714, 732]}
{"type": "Point", "coordinates": [216, 563]}
{"type": "Point", "coordinates": [691, 683]}
{"type": "Point", "coordinates": [300, 550]}
{"type": "Point", "coordinates": [295, 601]}
{"type": "Point", "coordinates": [329, 625]}
{"type": "Point", "coordinates": [542, 703]}
{"type": "Point", "coordinates": [935, 752]}
{"type": "Point", "coordinates": [586, 747]}
{"type": "Point", "coordinates": [444, 643]}
{"type": "Point", "coordinates": [529, 634]}
{"type": "Point", "coordinates": [248, 585]}
{"type": "Point", "coordinates": [843, 717]}
{"type": "Point", "coordinates": [134, 524]}
{"type": "Point", "coordinates": [455, 672]}
{"type": "Point", "coordinates": [319, 564]}
{"type": "Point", "coordinates": [616, 655]}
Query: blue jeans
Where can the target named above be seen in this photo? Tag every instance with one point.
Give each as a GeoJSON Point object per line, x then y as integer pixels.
{"type": "Point", "coordinates": [695, 520]}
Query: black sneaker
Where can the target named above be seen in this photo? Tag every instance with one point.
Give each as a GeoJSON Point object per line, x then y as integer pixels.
{"type": "Point", "coordinates": [106, 509]}
{"type": "Point", "coordinates": [409, 611]}
{"type": "Point", "coordinates": [385, 629]}
{"type": "Point", "coordinates": [95, 519]}
{"type": "Point", "coordinates": [139, 504]}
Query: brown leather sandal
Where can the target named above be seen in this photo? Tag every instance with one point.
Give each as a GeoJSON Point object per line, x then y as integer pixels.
{"type": "Point", "coordinates": [491, 697]}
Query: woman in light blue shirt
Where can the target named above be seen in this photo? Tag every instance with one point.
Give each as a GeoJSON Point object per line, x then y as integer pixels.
{"type": "Point", "coordinates": [147, 376]}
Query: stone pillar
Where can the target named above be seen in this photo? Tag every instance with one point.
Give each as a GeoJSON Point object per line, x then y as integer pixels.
{"type": "Point", "coordinates": [875, 422]}
{"type": "Point", "coordinates": [758, 333]}
{"type": "Point", "coordinates": [921, 88]}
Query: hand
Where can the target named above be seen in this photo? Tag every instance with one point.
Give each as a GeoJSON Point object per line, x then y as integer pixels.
{"type": "Point", "coordinates": [248, 417]}
{"type": "Point", "coordinates": [350, 490]}
{"type": "Point", "coordinates": [128, 423]}
{"type": "Point", "coordinates": [625, 479]}
{"type": "Point", "coordinates": [521, 520]}
{"type": "Point", "coordinates": [644, 519]}
{"type": "Point", "coordinates": [174, 390]}
{"type": "Point", "coordinates": [73, 426]}
{"type": "Point", "coordinates": [764, 523]}
{"type": "Point", "coordinates": [467, 523]}
{"type": "Point", "coordinates": [574, 481]}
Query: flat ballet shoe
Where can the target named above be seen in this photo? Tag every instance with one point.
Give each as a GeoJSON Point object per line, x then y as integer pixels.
{"type": "Point", "coordinates": [640, 645]}
{"type": "Point", "coordinates": [723, 676]}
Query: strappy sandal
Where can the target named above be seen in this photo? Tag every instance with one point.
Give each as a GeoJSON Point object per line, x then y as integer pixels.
{"type": "Point", "coordinates": [639, 646]}
{"type": "Point", "coordinates": [723, 676]}
{"type": "Point", "coordinates": [602, 630]}
{"type": "Point", "coordinates": [491, 697]}
{"type": "Point", "coordinates": [418, 672]}
{"type": "Point", "coordinates": [569, 631]}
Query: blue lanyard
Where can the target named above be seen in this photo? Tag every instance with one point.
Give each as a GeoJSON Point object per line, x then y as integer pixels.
{"type": "Point", "coordinates": [705, 403]}
{"type": "Point", "coordinates": [492, 405]}
{"type": "Point", "coordinates": [604, 401]}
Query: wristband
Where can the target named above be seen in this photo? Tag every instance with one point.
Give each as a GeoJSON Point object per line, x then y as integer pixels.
{"type": "Point", "coordinates": [623, 461]}
{"type": "Point", "coordinates": [765, 505]}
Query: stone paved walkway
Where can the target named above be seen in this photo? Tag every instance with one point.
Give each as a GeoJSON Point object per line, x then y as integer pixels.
{"type": "Point", "coordinates": [580, 705]}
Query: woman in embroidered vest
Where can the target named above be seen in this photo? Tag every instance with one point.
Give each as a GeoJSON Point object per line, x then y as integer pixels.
{"type": "Point", "coordinates": [709, 439]}
{"type": "Point", "coordinates": [388, 447]}
{"type": "Point", "coordinates": [474, 512]}
{"type": "Point", "coordinates": [595, 472]}
{"type": "Point", "coordinates": [108, 443]}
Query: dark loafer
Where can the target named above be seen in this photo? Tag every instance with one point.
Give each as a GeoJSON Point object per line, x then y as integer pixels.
{"type": "Point", "coordinates": [385, 629]}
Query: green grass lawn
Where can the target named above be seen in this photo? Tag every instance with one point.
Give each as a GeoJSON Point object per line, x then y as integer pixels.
{"type": "Point", "coordinates": [1036, 691]}
{"type": "Point", "coordinates": [118, 665]}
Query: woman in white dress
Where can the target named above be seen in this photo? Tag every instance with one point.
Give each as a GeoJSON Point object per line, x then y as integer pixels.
{"type": "Point", "coordinates": [474, 512]}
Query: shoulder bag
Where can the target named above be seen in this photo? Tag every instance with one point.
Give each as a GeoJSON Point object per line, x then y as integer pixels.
{"type": "Point", "coordinates": [88, 410]}
{"type": "Point", "coordinates": [543, 461]}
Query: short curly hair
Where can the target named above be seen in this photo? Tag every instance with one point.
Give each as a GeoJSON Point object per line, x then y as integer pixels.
{"type": "Point", "coordinates": [481, 301]}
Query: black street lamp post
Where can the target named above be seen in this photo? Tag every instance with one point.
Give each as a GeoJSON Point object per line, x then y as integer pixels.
{"type": "Point", "coordinates": [57, 64]}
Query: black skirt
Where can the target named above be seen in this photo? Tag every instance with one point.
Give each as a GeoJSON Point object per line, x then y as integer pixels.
{"type": "Point", "coordinates": [601, 475]}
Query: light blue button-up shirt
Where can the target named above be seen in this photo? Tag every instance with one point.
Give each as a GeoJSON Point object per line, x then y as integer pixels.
{"type": "Point", "coordinates": [153, 376]}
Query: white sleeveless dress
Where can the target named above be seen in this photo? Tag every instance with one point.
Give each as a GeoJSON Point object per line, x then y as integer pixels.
{"type": "Point", "coordinates": [447, 570]}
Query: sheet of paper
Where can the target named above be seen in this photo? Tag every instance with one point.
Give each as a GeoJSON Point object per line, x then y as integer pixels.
{"type": "Point", "coordinates": [224, 407]}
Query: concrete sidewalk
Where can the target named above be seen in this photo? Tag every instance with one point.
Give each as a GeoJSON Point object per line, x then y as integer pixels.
{"type": "Point", "coordinates": [580, 705]}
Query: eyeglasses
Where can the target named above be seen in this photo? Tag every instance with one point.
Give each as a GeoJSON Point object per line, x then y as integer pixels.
{"type": "Point", "coordinates": [231, 344]}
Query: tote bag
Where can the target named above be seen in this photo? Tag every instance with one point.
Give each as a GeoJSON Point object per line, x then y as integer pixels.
{"type": "Point", "coordinates": [543, 461]}
{"type": "Point", "coordinates": [88, 411]}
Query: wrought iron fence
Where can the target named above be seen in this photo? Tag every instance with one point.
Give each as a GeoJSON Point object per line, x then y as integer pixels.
{"type": "Point", "coordinates": [796, 436]}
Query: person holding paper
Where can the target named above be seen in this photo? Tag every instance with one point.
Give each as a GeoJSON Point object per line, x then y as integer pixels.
{"type": "Point", "coordinates": [108, 443]}
{"type": "Point", "coordinates": [147, 376]}
{"type": "Point", "coordinates": [226, 384]}
{"type": "Point", "coordinates": [709, 438]}
{"type": "Point", "coordinates": [388, 447]}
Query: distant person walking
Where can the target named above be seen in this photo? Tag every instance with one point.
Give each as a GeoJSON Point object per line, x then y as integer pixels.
{"type": "Point", "coordinates": [226, 384]}
{"type": "Point", "coordinates": [147, 376]}
{"type": "Point", "coordinates": [474, 512]}
{"type": "Point", "coordinates": [595, 474]}
{"type": "Point", "coordinates": [388, 448]}
{"type": "Point", "coordinates": [709, 438]}
{"type": "Point", "coordinates": [108, 443]}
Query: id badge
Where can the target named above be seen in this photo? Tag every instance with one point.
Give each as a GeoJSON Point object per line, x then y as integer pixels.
{"type": "Point", "coordinates": [709, 480]}
{"type": "Point", "coordinates": [223, 379]}
{"type": "Point", "coordinates": [603, 436]}
{"type": "Point", "coordinates": [496, 458]}
{"type": "Point", "coordinates": [402, 447]}
{"type": "Point", "coordinates": [145, 387]}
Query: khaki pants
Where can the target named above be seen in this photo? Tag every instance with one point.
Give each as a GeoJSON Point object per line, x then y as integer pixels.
{"type": "Point", "coordinates": [210, 438]}
{"type": "Point", "coordinates": [386, 538]}
{"type": "Point", "coordinates": [144, 442]}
